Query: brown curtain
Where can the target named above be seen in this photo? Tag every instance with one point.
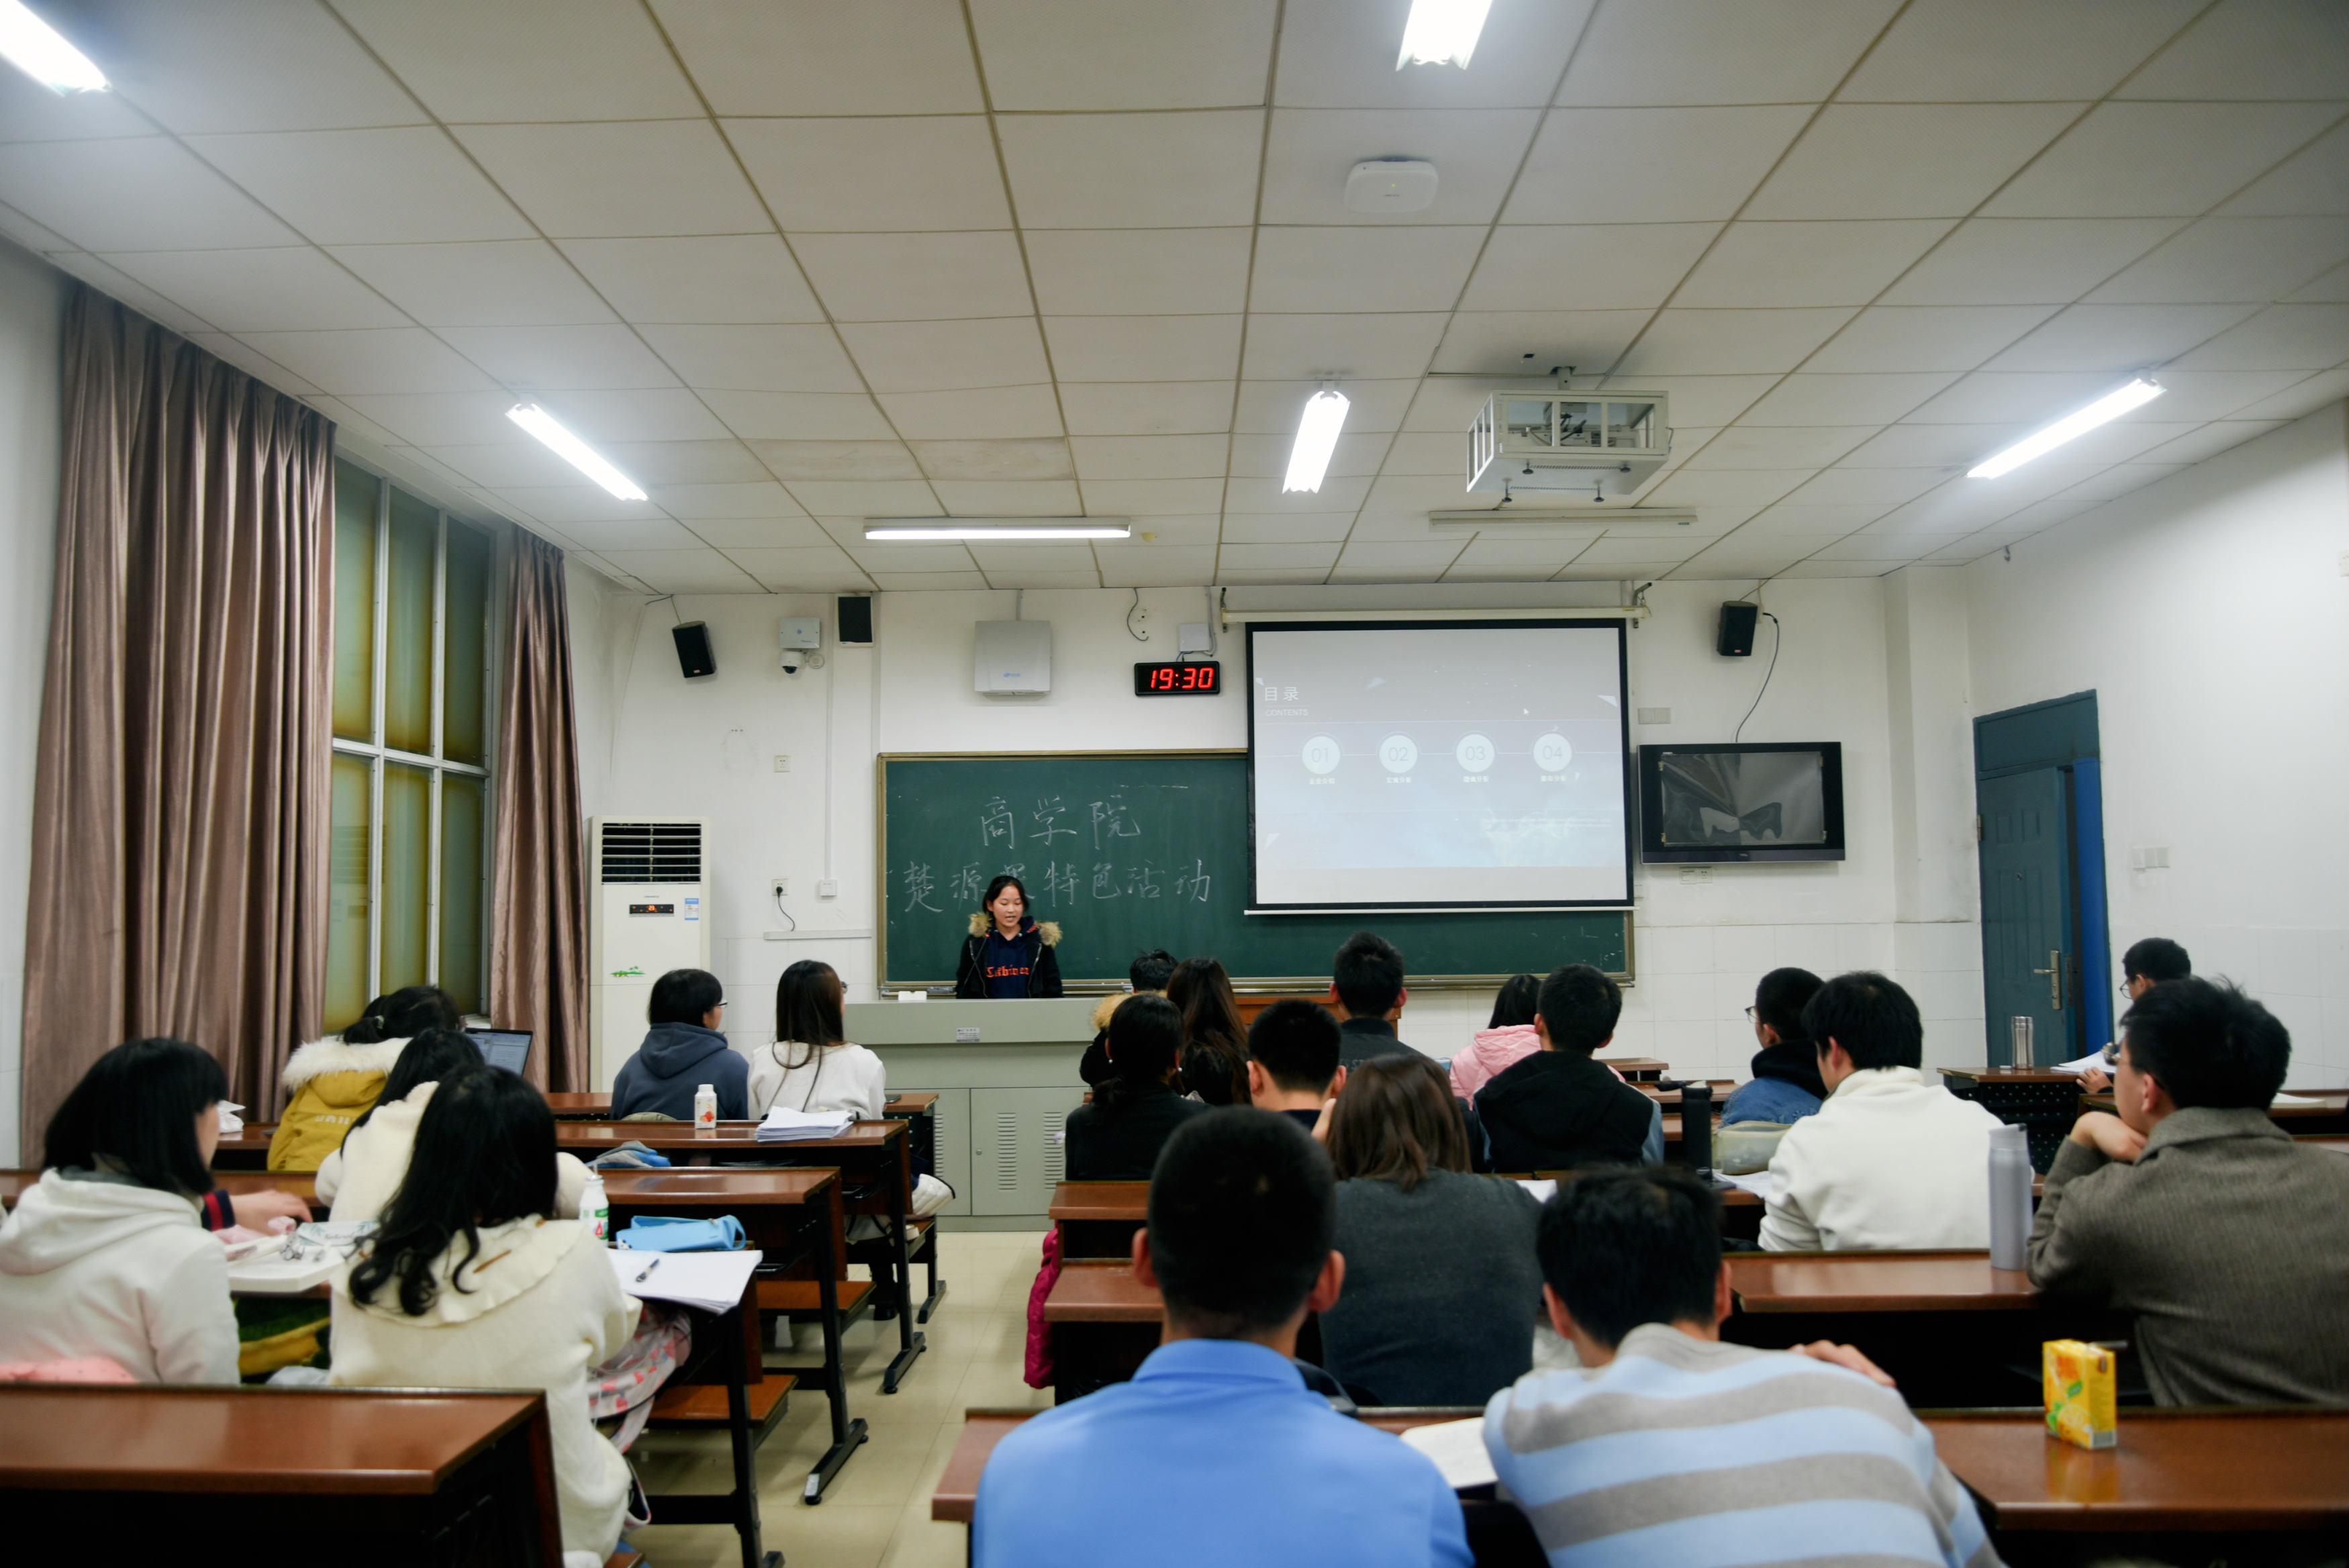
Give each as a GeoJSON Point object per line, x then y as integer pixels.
{"type": "Point", "coordinates": [179, 879]}
{"type": "Point", "coordinates": [538, 932]}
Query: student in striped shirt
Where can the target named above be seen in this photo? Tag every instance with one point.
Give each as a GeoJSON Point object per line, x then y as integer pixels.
{"type": "Point", "coordinates": [1668, 1446]}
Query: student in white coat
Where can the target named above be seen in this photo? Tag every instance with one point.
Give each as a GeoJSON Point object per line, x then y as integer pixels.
{"type": "Point", "coordinates": [106, 1256]}
{"type": "Point", "coordinates": [470, 1284]}
{"type": "Point", "coordinates": [810, 1066]}
{"type": "Point", "coordinates": [1891, 1160]}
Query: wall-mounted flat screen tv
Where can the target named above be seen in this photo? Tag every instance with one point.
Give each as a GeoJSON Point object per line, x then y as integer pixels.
{"type": "Point", "coordinates": [1778, 800]}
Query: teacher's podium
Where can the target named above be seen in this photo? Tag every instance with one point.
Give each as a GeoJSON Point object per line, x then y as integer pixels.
{"type": "Point", "coordinates": [1005, 1077]}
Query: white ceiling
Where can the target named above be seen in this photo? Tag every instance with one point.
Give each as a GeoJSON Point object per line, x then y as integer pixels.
{"type": "Point", "coordinates": [792, 262]}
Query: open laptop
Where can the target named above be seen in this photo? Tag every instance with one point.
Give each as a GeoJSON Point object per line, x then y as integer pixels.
{"type": "Point", "coordinates": [507, 1049]}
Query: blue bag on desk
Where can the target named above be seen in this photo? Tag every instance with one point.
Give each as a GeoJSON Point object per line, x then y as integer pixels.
{"type": "Point", "coordinates": [658, 1234]}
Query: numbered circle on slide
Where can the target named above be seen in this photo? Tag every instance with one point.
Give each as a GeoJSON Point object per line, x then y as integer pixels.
{"type": "Point", "coordinates": [1552, 752]}
{"type": "Point", "coordinates": [1397, 753]}
{"type": "Point", "coordinates": [1321, 755]}
{"type": "Point", "coordinates": [1475, 753]}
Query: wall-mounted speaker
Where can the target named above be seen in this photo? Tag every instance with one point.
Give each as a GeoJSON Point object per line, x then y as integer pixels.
{"type": "Point", "coordinates": [1738, 620]}
{"type": "Point", "coordinates": [694, 656]}
{"type": "Point", "coordinates": [855, 619]}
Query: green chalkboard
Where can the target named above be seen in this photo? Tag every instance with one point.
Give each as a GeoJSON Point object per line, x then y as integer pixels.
{"type": "Point", "coordinates": [1131, 850]}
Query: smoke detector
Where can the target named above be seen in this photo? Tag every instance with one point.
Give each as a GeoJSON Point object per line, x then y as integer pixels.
{"type": "Point", "coordinates": [1391, 185]}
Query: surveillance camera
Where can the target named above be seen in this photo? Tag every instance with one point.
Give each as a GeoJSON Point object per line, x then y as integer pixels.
{"type": "Point", "coordinates": [790, 661]}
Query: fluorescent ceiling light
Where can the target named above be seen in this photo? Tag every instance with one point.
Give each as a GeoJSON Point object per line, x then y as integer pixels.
{"type": "Point", "coordinates": [35, 48]}
{"type": "Point", "coordinates": [910, 529]}
{"type": "Point", "coordinates": [1441, 32]}
{"type": "Point", "coordinates": [2104, 410]}
{"type": "Point", "coordinates": [574, 450]}
{"type": "Point", "coordinates": [1317, 438]}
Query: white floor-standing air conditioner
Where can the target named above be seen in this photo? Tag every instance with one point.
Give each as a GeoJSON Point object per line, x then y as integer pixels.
{"type": "Point", "coordinates": [647, 915]}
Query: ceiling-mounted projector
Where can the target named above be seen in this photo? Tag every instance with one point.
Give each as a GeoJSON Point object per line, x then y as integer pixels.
{"type": "Point", "coordinates": [1604, 444]}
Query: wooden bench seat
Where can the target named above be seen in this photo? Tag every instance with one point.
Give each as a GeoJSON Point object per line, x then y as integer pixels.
{"type": "Point", "coordinates": [700, 1407]}
{"type": "Point", "coordinates": [804, 1297]}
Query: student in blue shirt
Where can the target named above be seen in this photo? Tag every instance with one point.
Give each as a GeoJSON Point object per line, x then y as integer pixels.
{"type": "Point", "coordinates": [1786, 1085]}
{"type": "Point", "coordinates": [1242, 1209]}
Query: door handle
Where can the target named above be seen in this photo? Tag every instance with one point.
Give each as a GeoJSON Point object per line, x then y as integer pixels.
{"type": "Point", "coordinates": [2054, 973]}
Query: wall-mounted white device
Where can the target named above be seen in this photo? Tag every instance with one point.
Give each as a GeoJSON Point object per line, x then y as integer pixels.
{"type": "Point", "coordinates": [802, 641]}
{"type": "Point", "coordinates": [647, 916]}
{"type": "Point", "coordinates": [1601, 444]}
{"type": "Point", "coordinates": [1391, 185]}
{"type": "Point", "coordinates": [1194, 637]}
{"type": "Point", "coordinates": [1009, 657]}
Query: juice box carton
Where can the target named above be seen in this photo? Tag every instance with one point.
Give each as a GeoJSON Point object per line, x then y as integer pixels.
{"type": "Point", "coordinates": [2077, 1378]}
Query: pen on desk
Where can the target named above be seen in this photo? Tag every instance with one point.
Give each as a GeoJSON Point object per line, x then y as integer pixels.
{"type": "Point", "coordinates": [648, 1269]}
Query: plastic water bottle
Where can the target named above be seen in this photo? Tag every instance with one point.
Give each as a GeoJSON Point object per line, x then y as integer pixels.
{"type": "Point", "coordinates": [705, 1110]}
{"type": "Point", "coordinates": [595, 1207]}
{"type": "Point", "coordinates": [2010, 1198]}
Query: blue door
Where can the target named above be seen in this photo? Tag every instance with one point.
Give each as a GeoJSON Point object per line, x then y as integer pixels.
{"type": "Point", "coordinates": [2026, 895]}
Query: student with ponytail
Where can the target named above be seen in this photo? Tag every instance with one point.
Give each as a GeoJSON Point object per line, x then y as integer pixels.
{"type": "Point", "coordinates": [1136, 1109]}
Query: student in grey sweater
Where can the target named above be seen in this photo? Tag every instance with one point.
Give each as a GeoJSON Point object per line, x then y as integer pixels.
{"type": "Point", "coordinates": [2192, 1210]}
{"type": "Point", "coordinates": [1442, 1282]}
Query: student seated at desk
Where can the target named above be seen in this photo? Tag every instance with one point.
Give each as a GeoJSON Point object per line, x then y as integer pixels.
{"type": "Point", "coordinates": [1145, 976]}
{"type": "Point", "coordinates": [472, 1283]}
{"type": "Point", "coordinates": [1558, 1108]}
{"type": "Point", "coordinates": [1118, 1136]}
{"type": "Point", "coordinates": [1786, 1085]}
{"type": "Point", "coordinates": [332, 1082]}
{"type": "Point", "coordinates": [1367, 992]}
{"type": "Point", "coordinates": [105, 1256]}
{"type": "Point", "coordinates": [1506, 1038]}
{"type": "Point", "coordinates": [360, 1179]}
{"type": "Point", "coordinates": [1293, 1060]}
{"type": "Point", "coordinates": [810, 1066]}
{"type": "Point", "coordinates": [2229, 1241]}
{"type": "Point", "coordinates": [682, 1051]}
{"type": "Point", "coordinates": [1442, 1286]}
{"type": "Point", "coordinates": [1667, 1446]}
{"type": "Point", "coordinates": [1889, 1160]}
{"type": "Point", "coordinates": [2147, 963]}
{"type": "Point", "coordinates": [1214, 1064]}
{"type": "Point", "coordinates": [1216, 1452]}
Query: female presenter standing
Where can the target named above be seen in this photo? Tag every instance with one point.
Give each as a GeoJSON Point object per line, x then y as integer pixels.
{"type": "Point", "coordinates": [1007, 954]}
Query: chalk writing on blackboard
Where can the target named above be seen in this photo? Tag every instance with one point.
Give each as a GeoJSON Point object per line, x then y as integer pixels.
{"type": "Point", "coordinates": [1111, 821]}
{"type": "Point", "coordinates": [1047, 817]}
{"type": "Point", "coordinates": [994, 823]}
{"type": "Point", "coordinates": [1141, 881]}
{"type": "Point", "coordinates": [919, 885]}
{"type": "Point", "coordinates": [1193, 884]}
{"type": "Point", "coordinates": [1105, 881]}
{"type": "Point", "coordinates": [1060, 882]}
{"type": "Point", "coordinates": [969, 886]}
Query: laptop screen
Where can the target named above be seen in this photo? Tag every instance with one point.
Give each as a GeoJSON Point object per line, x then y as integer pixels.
{"type": "Point", "coordinates": [507, 1049]}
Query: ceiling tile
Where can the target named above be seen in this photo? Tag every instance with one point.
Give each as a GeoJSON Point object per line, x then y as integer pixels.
{"type": "Point", "coordinates": [2332, 288]}
{"type": "Point", "coordinates": [1692, 52]}
{"type": "Point", "coordinates": [814, 57]}
{"type": "Point", "coordinates": [2028, 261]}
{"type": "Point", "coordinates": [662, 414]}
{"type": "Point", "coordinates": [1926, 337]}
{"type": "Point", "coordinates": [1002, 562]}
{"type": "Point", "coordinates": [917, 277]}
{"type": "Point", "coordinates": [2192, 396]}
{"type": "Point", "coordinates": [1160, 529]}
{"type": "Point", "coordinates": [1340, 54]}
{"type": "Point", "coordinates": [2121, 337]}
{"type": "Point", "coordinates": [703, 278]}
{"type": "Point", "coordinates": [2281, 337]}
{"type": "Point", "coordinates": [2210, 439]}
{"type": "Point", "coordinates": [653, 533]}
{"type": "Point", "coordinates": [526, 59]}
{"type": "Point", "coordinates": [394, 359]}
{"type": "Point", "coordinates": [947, 355]}
{"type": "Point", "coordinates": [2121, 479]}
{"type": "Point", "coordinates": [564, 505]}
{"type": "Point", "coordinates": [1810, 522]}
{"type": "Point", "coordinates": [997, 413]}
{"type": "Point", "coordinates": [1282, 557]}
{"type": "Point", "coordinates": [1648, 554]}
{"type": "Point", "coordinates": [1601, 165]}
{"type": "Point", "coordinates": [1886, 549]}
{"type": "Point", "coordinates": [818, 571]}
{"type": "Point", "coordinates": [1040, 459]}
{"type": "Point", "coordinates": [2301, 398]}
{"type": "Point", "coordinates": [1265, 497]}
{"type": "Point", "coordinates": [1986, 51]}
{"type": "Point", "coordinates": [1906, 161]}
{"type": "Point", "coordinates": [2247, 259]}
{"type": "Point", "coordinates": [1476, 154]}
{"type": "Point", "coordinates": [1698, 400]}
{"type": "Point", "coordinates": [1378, 563]}
{"type": "Point", "coordinates": [1157, 566]}
{"type": "Point", "coordinates": [875, 173]}
{"type": "Point", "coordinates": [2003, 398]}
{"type": "Point", "coordinates": [1723, 487]}
{"type": "Point", "coordinates": [1265, 456]}
{"type": "Point", "coordinates": [1124, 54]}
{"type": "Point", "coordinates": [1286, 526]}
{"type": "Point", "coordinates": [497, 282]}
{"type": "Point", "coordinates": [1587, 266]}
{"type": "Point", "coordinates": [31, 112]}
{"type": "Point", "coordinates": [1810, 399]}
{"type": "Point", "coordinates": [442, 419]}
{"type": "Point", "coordinates": [686, 463]}
{"type": "Point", "coordinates": [1147, 408]}
{"type": "Point", "coordinates": [1153, 497]}
{"type": "Point", "coordinates": [765, 501]}
{"type": "Point", "coordinates": [419, 186]}
{"type": "Point", "coordinates": [2255, 49]}
{"type": "Point", "coordinates": [1421, 452]}
{"type": "Point", "coordinates": [801, 416]}
{"type": "Point", "coordinates": [32, 236]}
{"type": "Point", "coordinates": [1730, 342]}
{"type": "Point", "coordinates": [1361, 346]}
{"type": "Point", "coordinates": [857, 499]}
{"type": "Point", "coordinates": [1338, 268]}
{"type": "Point", "coordinates": [1270, 407]}
{"type": "Point", "coordinates": [1805, 447]}
{"type": "Point", "coordinates": [1150, 456]}
{"type": "Point", "coordinates": [1529, 559]}
{"type": "Point", "coordinates": [1733, 561]}
{"type": "Point", "coordinates": [1932, 446]}
{"type": "Point", "coordinates": [2156, 160]}
{"type": "Point", "coordinates": [1810, 264]}
{"type": "Point", "coordinates": [699, 571]}
{"type": "Point", "coordinates": [273, 372]}
{"type": "Point", "coordinates": [911, 557]}
{"type": "Point", "coordinates": [1864, 487]}
{"type": "Point", "coordinates": [243, 64]}
{"type": "Point", "coordinates": [637, 176]}
{"type": "Point", "coordinates": [1139, 271]}
{"type": "Point", "coordinates": [548, 357]}
{"type": "Point", "coordinates": [927, 581]}
{"type": "Point", "coordinates": [1077, 171]}
{"type": "Point", "coordinates": [1422, 493]}
{"type": "Point", "coordinates": [756, 358]}
{"type": "Point", "coordinates": [292, 289]}
{"type": "Point", "coordinates": [789, 532]}
{"type": "Point", "coordinates": [2314, 182]}
{"type": "Point", "coordinates": [1491, 341]}
{"type": "Point", "coordinates": [793, 461]}
{"type": "Point", "coordinates": [135, 194]}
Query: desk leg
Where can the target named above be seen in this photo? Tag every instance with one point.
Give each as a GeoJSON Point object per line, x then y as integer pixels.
{"type": "Point", "coordinates": [738, 1426]}
{"type": "Point", "coordinates": [845, 1434]}
{"type": "Point", "coordinates": [910, 1345]}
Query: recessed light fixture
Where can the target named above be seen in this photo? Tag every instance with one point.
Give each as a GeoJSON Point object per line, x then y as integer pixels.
{"type": "Point", "coordinates": [1317, 438]}
{"type": "Point", "coordinates": [574, 450]}
{"type": "Point", "coordinates": [1441, 32]}
{"type": "Point", "coordinates": [2104, 410]}
{"type": "Point", "coordinates": [39, 51]}
{"type": "Point", "coordinates": [905, 529]}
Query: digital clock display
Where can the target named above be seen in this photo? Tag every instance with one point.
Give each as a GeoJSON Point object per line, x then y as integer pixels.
{"type": "Point", "coordinates": [1193, 677]}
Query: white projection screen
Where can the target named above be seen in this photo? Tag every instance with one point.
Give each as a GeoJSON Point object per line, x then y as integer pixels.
{"type": "Point", "coordinates": [1408, 765]}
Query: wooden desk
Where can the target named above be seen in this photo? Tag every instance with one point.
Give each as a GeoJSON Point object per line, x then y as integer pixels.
{"type": "Point", "coordinates": [300, 1183]}
{"type": "Point", "coordinates": [1105, 1323]}
{"type": "Point", "coordinates": [129, 1473]}
{"type": "Point", "coordinates": [2331, 1117]}
{"type": "Point", "coordinates": [1876, 1282]}
{"type": "Point", "coordinates": [1636, 1068]}
{"type": "Point", "coordinates": [247, 1149]}
{"type": "Point", "coordinates": [595, 1105]}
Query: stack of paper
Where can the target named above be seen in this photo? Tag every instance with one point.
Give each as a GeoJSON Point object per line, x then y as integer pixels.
{"type": "Point", "coordinates": [786, 1126]}
{"type": "Point", "coordinates": [1760, 1183]}
{"type": "Point", "coordinates": [714, 1282]}
{"type": "Point", "coordinates": [232, 1120]}
{"type": "Point", "coordinates": [272, 1273]}
{"type": "Point", "coordinates": [2093, 1059]}
{"type": "Point", "coordinates": [1458, 1450]}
